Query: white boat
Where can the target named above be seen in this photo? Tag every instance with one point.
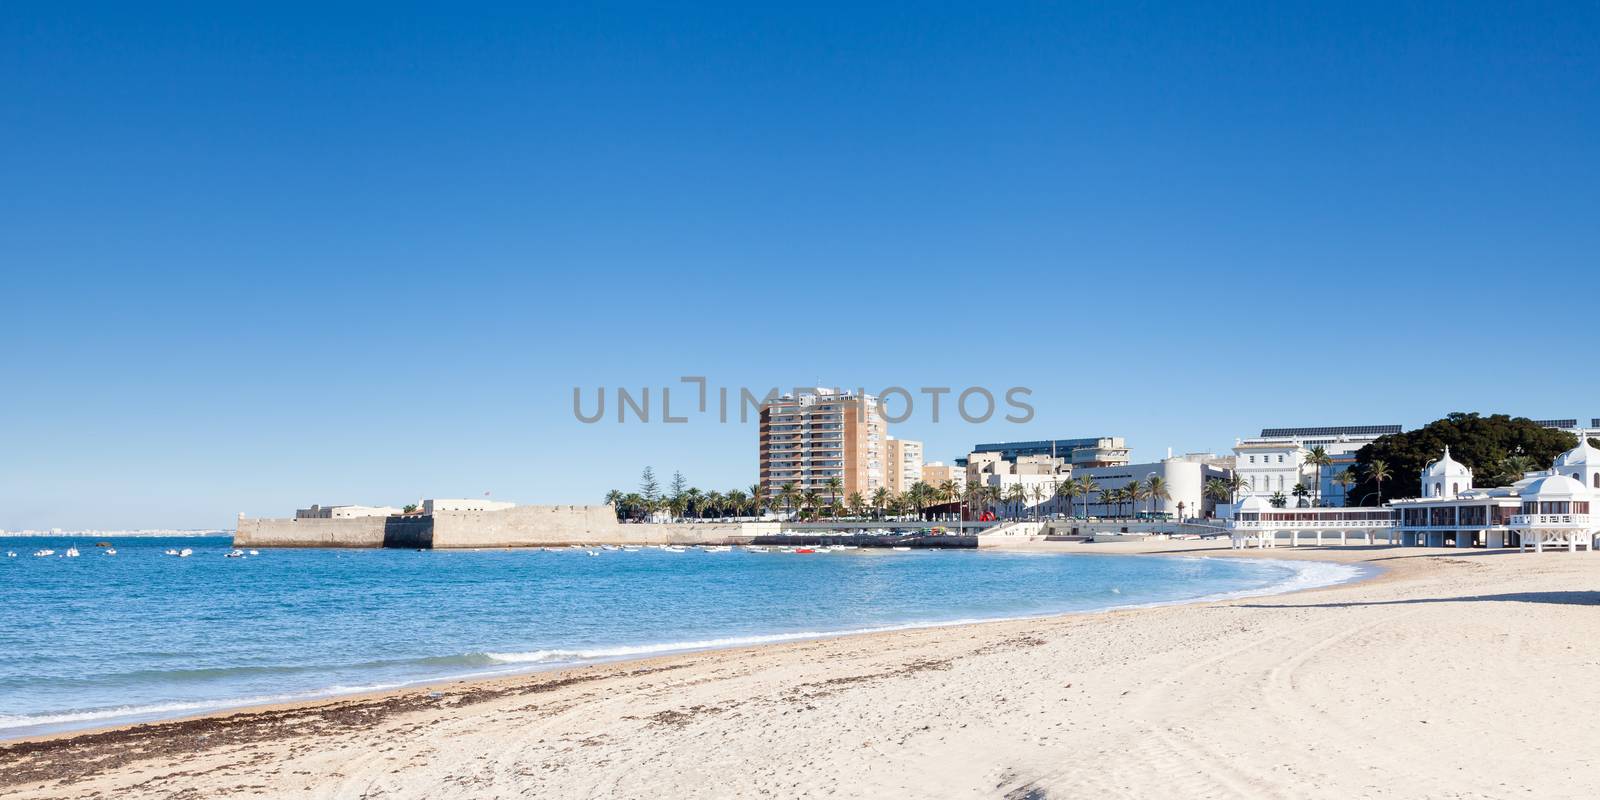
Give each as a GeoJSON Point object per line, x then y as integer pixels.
{"type": "Point", "coordinates": [185, 553]}
{"type": "Point", "coordinates": [721, 548]}
{"type": "Point", "coordinates": [11, 554]}
{"type": "Point", "coordinates": [594, 552]}
{"type": "Point", "coordinates": [110, 551]}
{"type": "Point", "coordinates": [255, 552]}
{"type": "Point", "coordinates": [900, 548]}
{"type": "Point", "coordinates": [671, 549]}
{"type": "Point", "coordinates": [72, 552]}
{"type": "Point", "coordinates": [630, 549]}
{"type": "Point", "coordinates": [234, 554]}
{"type": "Point", "coordinates": [43, 553]}
{"type": "Point", "coordinates": [755, 549]}
{"type": "Point", "coordinates": [170, 553]}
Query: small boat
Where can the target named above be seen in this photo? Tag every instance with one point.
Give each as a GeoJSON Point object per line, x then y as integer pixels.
{"type": "Point", "coordinates": [755, 549]}
{"type": "Point", "coordinates": [43, 553]}
{"type": "Point", "coordinates": [170, 553]}
{"type": "Point", "coordinates": [718, 549]}
{"type": "Point", "coordinates": [185, 553]}
{"type": "Point", "coordinates": [804, 550]}
{"type": "Point", "coordinates": [110, 551]}
{"type": "Point", "coordinates": [630, 549]}
{"type": "Point", "coordinates": [900, 547]}
{"type": "Point", "coordinates": [593, 552]}
{"type": "Point", "coordinates": [72, 552]}
{"type": "Point", "coordinates": [11, 554]}
{"type": "Point", "coordinates": [255, 552]}
{"type": "Point", "coordinates": [234, 554]}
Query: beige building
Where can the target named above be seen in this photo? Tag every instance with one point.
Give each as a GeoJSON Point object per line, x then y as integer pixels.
{"type": "Point", "coordinates": [817, 434]}
{"type": "Point", "coordinates": [344, 512]}
{"type": "Point", "coordinates": [936, 473]}
{"type": "Point", "coordinates": [902, 464]}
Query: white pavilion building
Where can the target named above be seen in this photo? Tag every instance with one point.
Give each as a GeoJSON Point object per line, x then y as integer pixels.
{"type": "Point", "coordinates": [1550, 508]}
{"type": "Point", "coordinates": [1544, 509]}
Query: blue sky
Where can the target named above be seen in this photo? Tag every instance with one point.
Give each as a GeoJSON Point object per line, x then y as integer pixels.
{"type": "Point", "coordinates": [259, 258]}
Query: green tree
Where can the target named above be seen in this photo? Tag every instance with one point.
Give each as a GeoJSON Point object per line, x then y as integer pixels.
{"type": "Point", "coordinates": [758, 500]}
{"type": "Point", "coordinates": [880, 500]}
{"type": "Point", "coordinates": [1278, 500]}
{"type": "Point", "coordinates": [788, 495]}
{"type": "Point", "coordinates": [1018, 495]}
{"type": "Point", "coordinates": [811, 501]}
{"type": "Point", "coordinates": [649, 488]}
{"type": "Point", "coordinates": [835, 489]}
{"type": "Point", "coordinates": [1318, 457]}
{"type": "Point", "coordinates": [1157, 490]}
{"type": "Point", "coordinates": [856, 503]}
{"type": "Point", "coordinates": [1483, 443]}
{"type": "Point", "coordinates": [1345, 478]}
{"type": "Point", "coordinates": [1087, 486]}
{"type": "Point", "coordinates": [1300, 493]}
{"type": "Point", "coordinates": [1378, 472]}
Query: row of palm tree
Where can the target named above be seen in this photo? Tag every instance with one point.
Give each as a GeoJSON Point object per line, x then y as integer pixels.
{"type": "Point", "coordinates": [925, 500]}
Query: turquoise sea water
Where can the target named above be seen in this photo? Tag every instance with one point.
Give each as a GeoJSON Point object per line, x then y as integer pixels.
{"type": "Point", "coordinates": [100, 639]}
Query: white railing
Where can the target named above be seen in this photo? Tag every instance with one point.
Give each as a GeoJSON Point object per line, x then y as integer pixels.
{"type": "Point", "coordinates": [1311, 525]}
{"type": "Point", "coordinates": [1550, 521]}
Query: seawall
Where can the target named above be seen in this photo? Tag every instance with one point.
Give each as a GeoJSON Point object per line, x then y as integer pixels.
{"type": "Point", "coordinates": [521, 526]}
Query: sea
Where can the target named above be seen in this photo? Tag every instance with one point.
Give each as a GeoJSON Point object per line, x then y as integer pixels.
{"type": "Point", "coordinates": [110, 639]}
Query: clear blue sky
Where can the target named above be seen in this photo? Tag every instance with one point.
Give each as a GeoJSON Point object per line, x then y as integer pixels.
{"type": "Point", "coordinates": [254, 259]}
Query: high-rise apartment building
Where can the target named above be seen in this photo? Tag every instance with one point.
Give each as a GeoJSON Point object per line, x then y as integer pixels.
{"type": "Point", "coordinates": [902, 464]}
{"type": "Point", "coordinates": [817, 434]}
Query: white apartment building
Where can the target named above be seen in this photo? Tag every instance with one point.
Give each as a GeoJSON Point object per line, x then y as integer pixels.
{"type": "Point", "coordinates": [902, 463]}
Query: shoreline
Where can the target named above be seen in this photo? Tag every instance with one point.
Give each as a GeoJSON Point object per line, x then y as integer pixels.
{"type": "Point", "coordinates": [510, 671]}
{"type": "Point", "coordinates": [1204, 698]}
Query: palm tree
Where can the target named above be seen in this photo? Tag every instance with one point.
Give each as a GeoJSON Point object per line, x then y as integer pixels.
{"type": "Point", "coordinates": [835, 488]}
{"type": "Point", "coordinates": [614, 499]}
{"type": "Point", "coordinates": [1016, 494]}
{"type": "Point", "coordinates": [1236, 484]}
{"type": "Point", "coordinates": [736, 501]}
{"type": "Point", "coordinates": [992, 496]}
{"type": "Point", "coordinates": [757, 499]}
{"type": "Point", "coordinates": [880, 499]}
{"type": "Point", "coordinates": [712, 502]}
{"type": "Point", "coordinates": [1156, 489]}
{"type": "Point", "coordinates": [918, 497]}
{"type": "Point", "coordinates": [1345, 479]}
{"type": "Point", "coordinates": [949, 493]}
{"type": "Point", "coordinates": [810, 499]}
{"type": "Point", "coordinates": [1039, 493]}
{"type": "Point", "coordinates": [1135, 491]}
{"type": "Point", "coordinates": [1068, 489]}
{"type": "Point", "coordinates": [1086, 487]}
{"type": "Point", "coordinates": [1278, 500]}
{"type": "Point", "coordinates": [788, 495]}
{"type": "Point", "coordinates": [897, 504]}
{"type": "Point", "coordinates": [1300, 492]}
{"type": "Point", "coordinates": [1319, 458]}
{"type": "Point", "coordinates": [1378, 471]}
{"type": "Point", "coordinates": [856, 503]}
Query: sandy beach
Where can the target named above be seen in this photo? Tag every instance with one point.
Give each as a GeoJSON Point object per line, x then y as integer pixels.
{"type": "Point", "coordinates": [1461, 674]}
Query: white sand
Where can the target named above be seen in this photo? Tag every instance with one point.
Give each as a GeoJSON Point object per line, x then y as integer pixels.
{"type": "Point", "coordinates": [1460, 675]}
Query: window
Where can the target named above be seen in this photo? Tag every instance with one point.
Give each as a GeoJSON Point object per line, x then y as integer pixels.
{"type": "Point", "coordinates": [1252, 459]}
{"type": "Point", "coordinates": [1455, 488]}
{"type": "Point", "coordinates": [1280, 459]}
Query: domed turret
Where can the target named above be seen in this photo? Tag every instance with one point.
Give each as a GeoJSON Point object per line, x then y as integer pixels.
{"type": "Point", "coordinates": [1446, 477]}
{"type": "Point", "coordinates": [1554, 488]}
{"type": "Point", "coordinates": [1581, 463]}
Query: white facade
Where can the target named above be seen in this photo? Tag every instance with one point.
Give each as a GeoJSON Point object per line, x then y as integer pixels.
{"type": "Point", "coordinates": [1185, 478]}
{"type": "Point", "coordinates": [1550, 508]}
{"type": "Point", "coordinates": [1275, 461]}
{"type": "Point", "coordinates": [433, 506]}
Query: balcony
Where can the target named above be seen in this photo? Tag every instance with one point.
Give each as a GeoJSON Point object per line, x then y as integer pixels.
{"type": "Point", "coordinates": [1571, 521]}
